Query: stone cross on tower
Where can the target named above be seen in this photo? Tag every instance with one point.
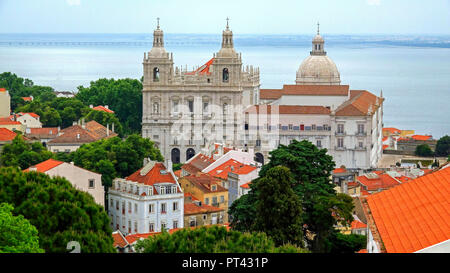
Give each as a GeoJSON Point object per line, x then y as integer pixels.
{"type": "Point", "coordinates": [157, 19]}
{"type": "Point", "coordinates": [228, 19]}
{"type": "Point", "coordinates": [318, 28]}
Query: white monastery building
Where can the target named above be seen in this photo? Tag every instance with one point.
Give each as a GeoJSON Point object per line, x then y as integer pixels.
{"type": "Point", "coordinates": [148, 200]}
{"type": "Point", "coordinates": [186, 111]}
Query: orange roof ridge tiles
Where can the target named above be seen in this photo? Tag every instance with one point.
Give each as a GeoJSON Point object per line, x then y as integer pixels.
{"type": "Point", "coordinates": [356, 224]}
{"type": "Point", "coordinates": [119, 240]}
{"type": "Point", "coordinates": [45, 165]}
{"type": "Point", "coordinates": [414, 215]}
{"type": "Point", "coordinates": [246, 185]}
{"type": "Point", "coordinates": [2, 89]}
{"type": "Point", "coordinates": [34, 115]}
{"type": "Point", "coordinates": [288, 110]}
{"type": "Point", "coordinates": [6, 134]}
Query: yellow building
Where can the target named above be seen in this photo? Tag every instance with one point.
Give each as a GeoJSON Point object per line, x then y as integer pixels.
{"type": "Point", "coordinates": [207, 189]}
{"type": "Point", "coordinates": [407, 133]}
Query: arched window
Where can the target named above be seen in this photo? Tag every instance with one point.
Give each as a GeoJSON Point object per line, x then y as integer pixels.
{"type": "Point", "coordinates": [225, 75]}
{"type": "Point", "coordinates": [156, 74]}
{"type": "Point", "coordinates": [189, 153]}
{"type": "Point", "coordinates": [175, 155]}
{"type": "Point", "coordinates": [259, 158]}
{"type": "Point", "coordinates": [156, 108]}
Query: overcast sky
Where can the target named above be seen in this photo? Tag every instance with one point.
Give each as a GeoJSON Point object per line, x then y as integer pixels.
{"type": "Point", "coordinates": [208, 16]}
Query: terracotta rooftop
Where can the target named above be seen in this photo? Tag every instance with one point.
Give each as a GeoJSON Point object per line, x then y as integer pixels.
{"type": "Point", "coordinates": [232, 166]}
{"type": "Point", "coordinates": [50, 132]}
{"type": "Point", "coordinates": [34, 115]}
{"type": "Point", "coordinates": [204, 182]}
{"type": "Point", "coordinates": [9, 122]}
{"type": "Point", "coordinates": [76, 134]}
{"type": "Point", "coordinates": [356, 224]}
{"type": "Point", "coordinates": [197, 163]}
{"type": "Point", "coordinates": [305, 90]}
{"type": "Point", "coordinates": [192, 208]}
{"type": "Point", "coordinates": [103, 108]}
{"type": "Point", "coordinates": [420, 137]}
{"type": "Point", "coordinates": [45, 166]}
{"type": "Point", "coordinates": [2, 89]}
{"type": "Point", "coordinates": [202, 70]}
{"type": "Point", "coordinates": [414, 215]}
{"type": "Point", "coordinates": [374, 182]}
{"type": "Point", "coordinates": [288, 110]}
{"type": "Point", "coordinates": [246, 185]}
{"type": "Point", "coordinates": [339, 170]}
{"type": "Point", "coordinates": [6, 134]}
{"type": "Point", "coordinates": [156, 174]}
{"type": "Point", "coordinates": [359, 104]}
{"type": "Point", "coordinates": [27, 98]}
{"type": "Point", "coordinates": [392, 130]}
{"type": "Point", "coordinates": [119, 240]}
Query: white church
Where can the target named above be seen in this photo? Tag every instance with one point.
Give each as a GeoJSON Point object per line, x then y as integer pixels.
{"type": "Point", "coordinates": [185, 112]}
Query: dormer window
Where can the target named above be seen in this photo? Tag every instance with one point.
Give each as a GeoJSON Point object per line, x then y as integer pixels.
{"type": "Point", "coordinates": [162, 190]}
{"type": "Point", "coordinates": [214, 188]}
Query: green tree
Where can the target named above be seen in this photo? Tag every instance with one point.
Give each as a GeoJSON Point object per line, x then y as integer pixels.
{"type": "Point", "coordinates": [126, 156]}
{"type": "Point", "coordinates": [22, 154]}
{"type": "Point", "coordinates": [341, 243]}
{"type": "Point", "coordinates": [443, 146]}
{"type": "Point", "coordinates": [311, 170]}
{"type": "Point", "coordinates": [124, 96]}
{"type": "Point", "coordinates": [17, 235]}
{"type": "Point", "coordinates": [59, 212]}
{"type": "Point", "coordinates": [242, 212]}
{"type": "Point", "coordinates": [424, 150]}
{"type": "Point", "coordinates": [213, 239]}
{"type": "Point", "coordinates": [278, 208]}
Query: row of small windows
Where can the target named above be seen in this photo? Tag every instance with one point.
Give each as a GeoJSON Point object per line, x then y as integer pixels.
{"type": "Point", "coordinates": [225, 75]}
{"type": "Point", "coordinates": [151, 225]}
{"type": "Point", "coordinates": [291, 127]}
{"type": "Point", "coordinates": [151, 207]}
{"type": "Point", "coordinates": [157, 110]}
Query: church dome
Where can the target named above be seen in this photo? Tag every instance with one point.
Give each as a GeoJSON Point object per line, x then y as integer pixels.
{"type": "Point", "coordinates": [318, 69]}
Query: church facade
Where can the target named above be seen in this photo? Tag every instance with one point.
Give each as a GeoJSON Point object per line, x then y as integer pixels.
{"type": "Point", "coordinates": [184, 111]}
{"type": "Point", "coordinates": [220, 102]}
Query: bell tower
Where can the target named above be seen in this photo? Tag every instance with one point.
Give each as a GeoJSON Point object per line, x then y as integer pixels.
{"type": "Point", "coordinates": [158, 64]}
{"type": "Point", "coordinates": [318, 44]}
{"type": "Point", "coordinates": [227, 62]}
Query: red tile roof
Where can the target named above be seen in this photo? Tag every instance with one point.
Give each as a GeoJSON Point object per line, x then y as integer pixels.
{"type": "Point", "coordinates": [27, 98]}
{"type": "Point", "coordinates": [177, 173]}
{"type": "Point", "coordinates": [192, 208]}
{"type": "Point", "coordinates": [359, 104]}
{"type": "Point", "coordinates": [119, 240]}
{"type": "Point", "coordinates": [204, 182]}
{"type": "Point", "coordinates": [385, 147]}
{"type": "Point", "coordinates": [288, 110]}
{"type": "Point", "coordinates": [34, 115]}
{"type": "Point", "coordinates": [414, 215]}
{"type": "Point", "coordinates": [103, 108]}
{"type": "Point", "coordinates": [363, 251]}
{"type": "Point", "coordinates": [203, 70]}
{"type": "Point", "coordinates": [45, 166]}
{"type": "Point", "coordinates": [9, 122]}
{"type": "Point", "coordinates": [392, 130]}
{"type": "Point", "coordinates": [190, 196]}
{"type": "Point", "coordinates": [246, 185]}
{"type": "Point", "coordinates": [93, 131]}
{"type": "Point", "coordinates": [385, 138]}
{"type": "Point", "coordinates": [197, 163]}
{"type": "Point", "coordinates": [231, 166]}
{"type": "Point", "coordinates": [420, 137]}
{"type": "Point", "coordinates": [157, 174]}
{"type": "Point", "coordinates": [356, 224]}
{"type": "Point", "coordinates": [380, 181]}
{"type": "Point", "coordinates": [2, 89]}
{"type": "Point", "coordinates": [339, 170]}
{"type": "Point", "coordinates": [49, 132]}
{"type": "Point", "coordinates": [7, 135]}
{"type": "Point", "coordinates": [305, 90]}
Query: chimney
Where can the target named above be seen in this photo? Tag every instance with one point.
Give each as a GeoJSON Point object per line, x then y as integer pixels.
{"type": "Point", "coordinates": [83, 125]}
{"type": "Point", "coordinates": [106, 106]}
{"type": "Point", "coordinates": [78, 136]}
{"type": "Point", "coordinates": [112, 127]}
{"type": "Point", "coordinates": [72, 163]}
{"type": "Point", "coordinates": [74, 123]}
{"type": "Point", "coordinates": [169, 166]}
{"type": "Point", "coordinates": [91, 106]}
{"type": "Point", "coordinates": [107, 129]}
{"type": "Point", "coordinates": [33, 169]}
{"type": "Point", "coordinates": [146, 160]}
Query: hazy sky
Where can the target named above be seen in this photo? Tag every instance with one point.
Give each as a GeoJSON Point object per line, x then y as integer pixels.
{"type": "Point", "coordinates": [208, 16]}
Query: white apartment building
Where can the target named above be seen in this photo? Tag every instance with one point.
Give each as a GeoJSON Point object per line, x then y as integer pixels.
{"type": "Point", "coordinates": [148, 200]}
